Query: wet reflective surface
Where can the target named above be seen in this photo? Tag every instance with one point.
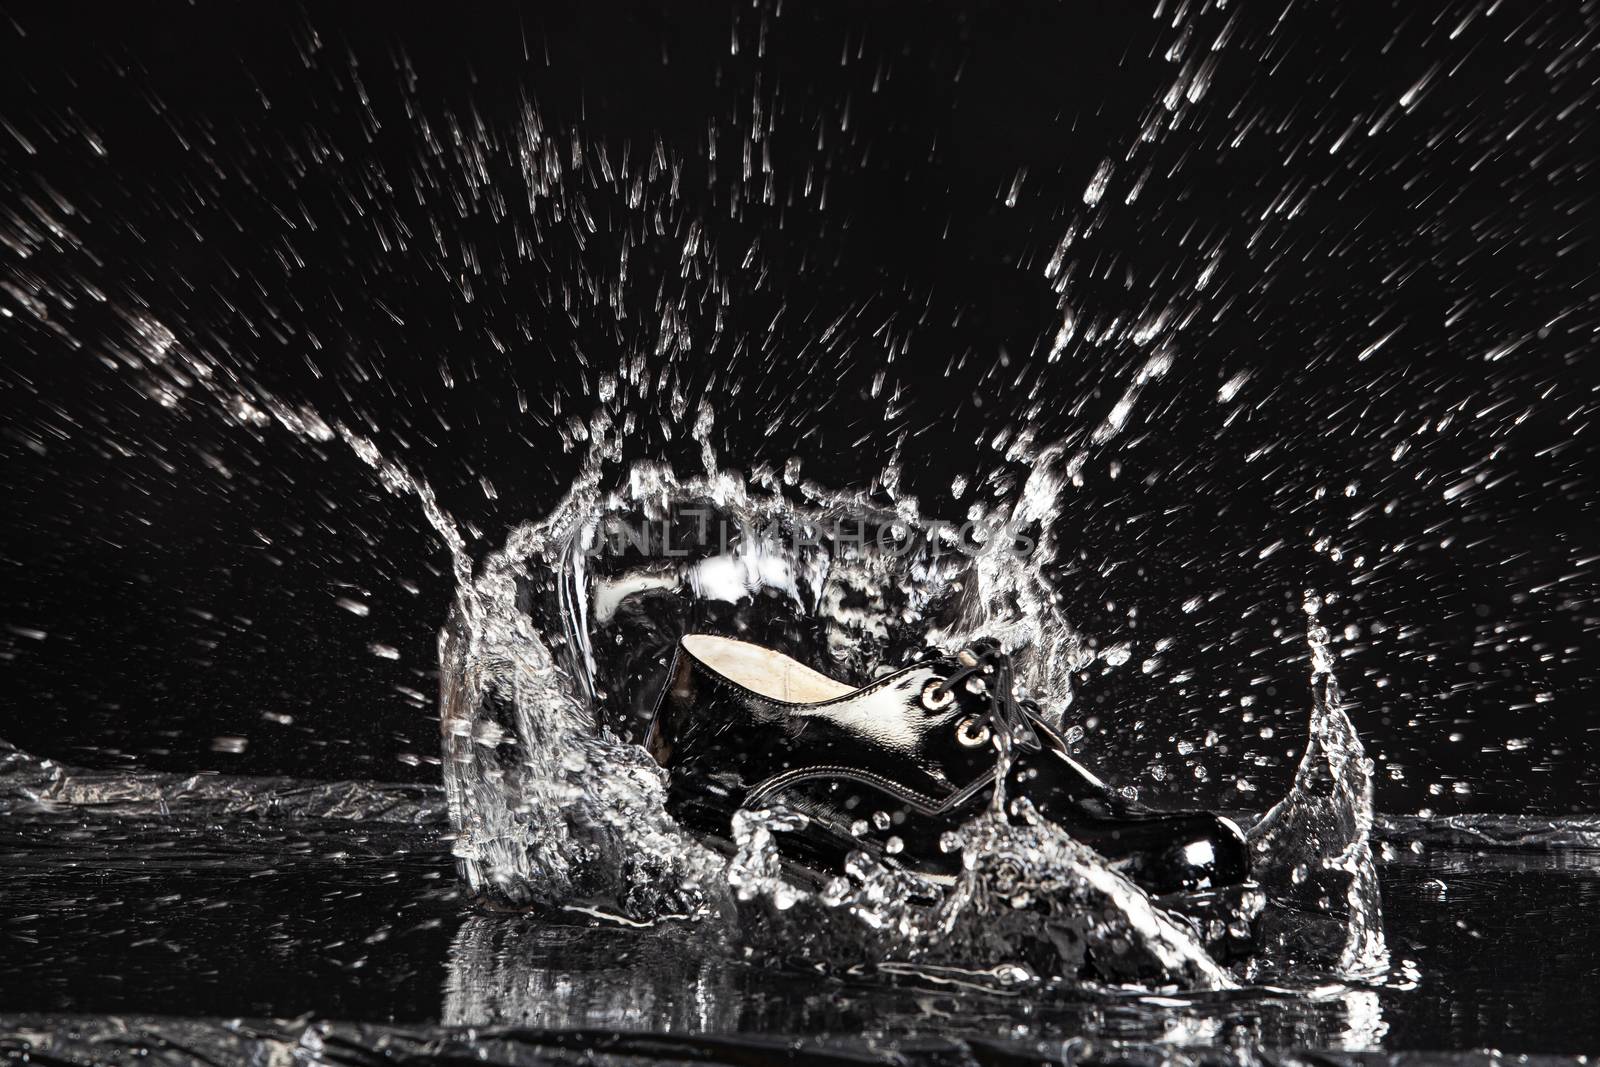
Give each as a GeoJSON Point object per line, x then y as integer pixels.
{"type": "Point", "coordinates": [363, 922]}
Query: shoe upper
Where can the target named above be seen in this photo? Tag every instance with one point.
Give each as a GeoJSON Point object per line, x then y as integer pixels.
{"type": "Point", "coordinates": [891, 766]}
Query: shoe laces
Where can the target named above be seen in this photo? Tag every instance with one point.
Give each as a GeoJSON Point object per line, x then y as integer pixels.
{"type": "Point", "coordinates": [985, 668]}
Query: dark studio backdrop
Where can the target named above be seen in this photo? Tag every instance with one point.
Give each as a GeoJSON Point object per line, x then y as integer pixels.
{"type": "Point", "coordinates": [1392, 349]}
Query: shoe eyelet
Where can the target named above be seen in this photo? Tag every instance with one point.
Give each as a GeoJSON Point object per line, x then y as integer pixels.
{"type": "Point", "coordinates": [970, 737]}
{"type": "Point", "coordinates": [935, 699]}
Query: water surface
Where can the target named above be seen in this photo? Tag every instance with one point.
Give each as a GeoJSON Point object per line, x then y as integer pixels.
{"type": "Point", "coordinates": [261, 917]}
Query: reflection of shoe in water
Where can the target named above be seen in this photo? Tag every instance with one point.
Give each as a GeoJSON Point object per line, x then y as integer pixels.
{"type": "Point", "coordinates": [889, 768]}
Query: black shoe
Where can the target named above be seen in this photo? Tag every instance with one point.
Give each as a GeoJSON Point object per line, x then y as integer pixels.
{"type": "Point", "coordinates": [892, 766]}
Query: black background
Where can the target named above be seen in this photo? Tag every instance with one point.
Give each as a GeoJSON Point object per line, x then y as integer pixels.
{"type": "Point", "coordinates": [248, 175]}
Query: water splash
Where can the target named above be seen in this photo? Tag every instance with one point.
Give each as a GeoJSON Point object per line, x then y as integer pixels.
{"type": "Point", "coordinates": [550, 657]}
{"type": "Point", "coordinates": [554, 805]}
{"type": "Point", "coordinates": [541, 669]}
{"type": "Point", "coordinates": [1029, 904]}
{"type": "Point", "coordinates": [1313, 848]}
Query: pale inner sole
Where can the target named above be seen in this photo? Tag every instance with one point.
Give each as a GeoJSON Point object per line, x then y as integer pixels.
{"type": "Point", "coordinates": [763, 671]}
